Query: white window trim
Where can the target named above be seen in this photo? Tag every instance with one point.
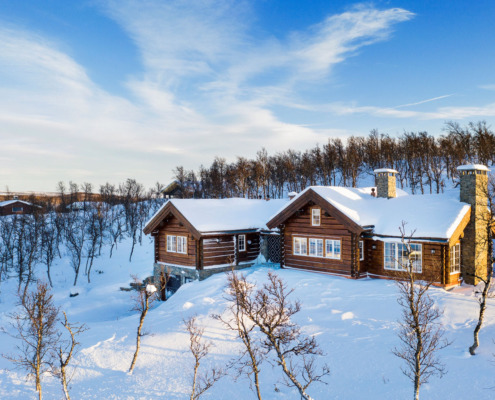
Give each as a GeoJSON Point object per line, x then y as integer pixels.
{"type": "Point", "coordinates": [361, 250]}
{"type": "Point", "coordinates": [313, 214]}
{"type": "Point", "coordinates": [316, 247]}
{"type": "Point", "coordinates": [332, 255]}
{"type": "Point", "coordinates": [170, 243]}
{"type": "Point", "coordinates": [183, 246]}
{"type": "Point", "coordinates": [458, 260]}
{"type": "Point", "coordinates": [174, 239]}
{"type": "Point", "coordinates": [397, 266]}
{"type": "Point", "coordinates": [296, 238]}
{"type": "Point", "coordinates": [243, 242]}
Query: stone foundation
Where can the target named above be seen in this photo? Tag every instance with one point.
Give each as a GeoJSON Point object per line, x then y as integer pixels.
{"type": "Point", "coordinates": [185, 274]}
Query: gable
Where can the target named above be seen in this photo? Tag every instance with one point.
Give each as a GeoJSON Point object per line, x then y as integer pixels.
{"type": "Point", "coordinates": [308, 198]}
{"type": "Point", "coordinates": [160, 217]}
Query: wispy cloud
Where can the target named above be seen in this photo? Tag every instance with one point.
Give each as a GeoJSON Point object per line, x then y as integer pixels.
{"type": "Point", "coordinates": [441, 113]}
{"type": "Point", "coordinates": [487, 87]}
{"type": "Point", "coordinates": [208, 86]}
{"type": "Point", "coordinates": [423, 101]}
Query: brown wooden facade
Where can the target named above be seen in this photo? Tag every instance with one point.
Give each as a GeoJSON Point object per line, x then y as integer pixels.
{"type": "Point", "coordinates": [295, 222]}
{"type": "Point", "coordinates": [203, 250]}
{"type": "Point", "coordinates": [16, 207]}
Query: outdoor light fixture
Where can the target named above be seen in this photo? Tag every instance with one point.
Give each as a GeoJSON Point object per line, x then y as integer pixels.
{"type": "Point", "coordinates": [432, 251]}
{"type": "Point", "coordinates": [373, 247]}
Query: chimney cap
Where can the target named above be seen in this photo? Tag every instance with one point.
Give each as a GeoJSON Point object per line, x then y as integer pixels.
{"type": "Point", "coordinates": [292, 195]}
{"type": "Point", "coordinates": [390, 170]}
{"type": "Point", "coordinates": [471, 167]}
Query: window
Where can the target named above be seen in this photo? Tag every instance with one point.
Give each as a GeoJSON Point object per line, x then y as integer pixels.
{"type": "Point", "coordinates": [315, 216]}
{"type": "Point", "coordinates": [316, 247]}
{"type": "Point", "coordinates": [171, 243]}
{"type": "Point", "coordinates": [182, 244]}
{"type": "Point", "coordinates": [395, 256]}
{"type": "Point", "coordinates": [177, 244]}
{"type": "Point", "coordinates": [455, 259]}
{"type": "Point", "coordinates": [17, 209]}
{"type": "Point", "coordinates": [332, 249]}
{"type": "Point", "coordinates": [361, 250]}
{"type": "Point", "coordinates": [242, 242]}
{"type": "Point", "coordinates": [300, 246]}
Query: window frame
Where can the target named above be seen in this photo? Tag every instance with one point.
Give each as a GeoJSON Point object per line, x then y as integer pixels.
{"type": "Point", "coordinates": [243, 241]}
{"type": "Point", "coordinates": [301, 240]}
{"type": "Point", "coordinates": [361, 250]}
{"type": "Point", "coordinates": [316, 247]}
{"type": "Point", "coordinates": [313, 215]}
{"type": "Point", "coordinates": [455, 257]}
{"type": "Point", "coordinates": [171, 244]}
{"type": "Point", "coordinates": [333, 254]}
{"type": "Point", "coordinates": [394, 256]}
{"type": "Point", "coordinates": [183, 244]}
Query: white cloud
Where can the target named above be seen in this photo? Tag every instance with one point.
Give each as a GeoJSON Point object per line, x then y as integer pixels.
{"type": "Point", "coordinates": [441, 113]}
{"type": "Point", "coordinates": [208, 87]}
{"type": "Point", "coordinates": [487, 87]}
{"type": "Point", "coordinates": [331, 41]}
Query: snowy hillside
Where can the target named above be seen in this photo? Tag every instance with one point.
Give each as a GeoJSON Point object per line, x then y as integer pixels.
{"type": "Point", "coordinates": [354, 321]}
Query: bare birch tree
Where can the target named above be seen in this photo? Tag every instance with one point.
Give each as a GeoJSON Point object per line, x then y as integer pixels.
{"type": "Point", "coordinates": [200, 348]}
{"type": "Point", "coordinates": [420, 333]}
{"type": "Point", "coordinates": [48, 243]}
{"type": "Point", "coordinates": [34, 326]}
{"type": "Point", "coordinates": [271, 310]}
{"type": "Point", "coordinates": [251, 357]}
{"type": "Point", "coordinates": [142, 302]}
{"type": "Point", "coordinates": [66, 353]}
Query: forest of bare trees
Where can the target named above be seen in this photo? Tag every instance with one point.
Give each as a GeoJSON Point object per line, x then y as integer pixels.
{"type": "Point", "coordinates": [425, 164]}
{"type": "Point", "coordinates": [75, 227]}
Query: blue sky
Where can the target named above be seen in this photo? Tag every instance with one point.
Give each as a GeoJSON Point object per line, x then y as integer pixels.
{"type": "Point", "coordinates": [96, 91]}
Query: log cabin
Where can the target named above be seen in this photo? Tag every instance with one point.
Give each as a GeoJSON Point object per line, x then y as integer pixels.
{"type": "Point", "coordinates": [354, 232]}
{"type": "Point", "coordinates": [16, 206]}
{"type": "Point", "coordinates": [195, 238]}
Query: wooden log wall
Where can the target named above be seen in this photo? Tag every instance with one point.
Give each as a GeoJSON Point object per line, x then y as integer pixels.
{"type": "Point", "coordinates": [219, 250]}
{"type": "Point", "coordinates": [299, 225]}
{"type": "Point", "coordinates": [172, 226]}
{"type": "Point", "coordinates": [252, 249]}
{"type": "Point", "coordinates": [432, 262]}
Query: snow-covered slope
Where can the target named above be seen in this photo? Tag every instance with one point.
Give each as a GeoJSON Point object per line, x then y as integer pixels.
{"type": "Point", "coordinates": [354, 321]}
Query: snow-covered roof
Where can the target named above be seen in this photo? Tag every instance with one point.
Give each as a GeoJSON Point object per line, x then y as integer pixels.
{"type": "Point", "coordinates": [218, 215]}
{"type": "Point", "coordinates": [470, 167]}
{"type": "Point", "coordinates": [393, 171]}
{"type": "Point", "coordinates": [430, 216]}
{"type": "Point", "coordinates": [82, 204]}
{"type": "Point", "coordinates": [9, 202]}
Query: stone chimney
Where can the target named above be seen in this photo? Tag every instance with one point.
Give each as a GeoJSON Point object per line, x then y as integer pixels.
{"type": "Point", "coordinates": [474, 245]}
{"type": "Point", "coordinates": [385, 183]}
{"type": "Point", "coordinates": [292, 195]}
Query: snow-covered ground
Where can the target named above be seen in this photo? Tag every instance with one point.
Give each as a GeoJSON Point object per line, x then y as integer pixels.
{"type": "Point", "coordinates": [354, 321]}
